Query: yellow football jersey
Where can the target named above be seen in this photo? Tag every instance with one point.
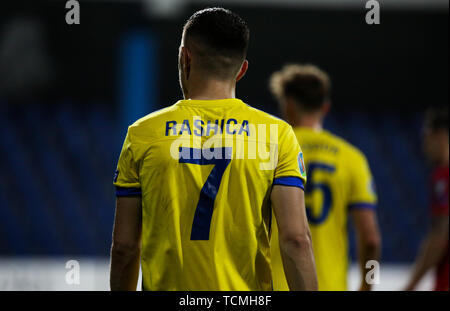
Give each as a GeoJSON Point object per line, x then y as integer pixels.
{"type": "Point", "coordinates": [339, 179]}
{"type": "Point", "coordinates": [205, 169]}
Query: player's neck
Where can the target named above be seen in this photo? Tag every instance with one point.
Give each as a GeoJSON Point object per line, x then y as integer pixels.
{"type": "Point", "coordinates": [210, 90]}
{"type": "Point", "coordinates": [308, 121]}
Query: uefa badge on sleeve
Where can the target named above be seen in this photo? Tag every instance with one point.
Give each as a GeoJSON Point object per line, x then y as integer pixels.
{"type": "Point", "coordinates": [301, 164]}
{"type": "Point", "coordinates": [372, 188]}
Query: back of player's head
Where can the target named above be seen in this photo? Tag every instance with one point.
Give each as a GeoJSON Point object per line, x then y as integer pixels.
{"type": "Point", "coordinates": [307, 85]}
{"type": "Point", "coordinates": [219, 39]}
{"type": "Point", "coordinates": [436, 118]}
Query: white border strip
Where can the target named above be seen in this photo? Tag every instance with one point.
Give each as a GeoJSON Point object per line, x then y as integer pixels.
{"type": "Point", "coordinates": [333, 4]}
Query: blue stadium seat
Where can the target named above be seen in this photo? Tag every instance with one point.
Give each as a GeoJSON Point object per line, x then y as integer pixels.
{"type": "Point", "coordinates": [57, 194]}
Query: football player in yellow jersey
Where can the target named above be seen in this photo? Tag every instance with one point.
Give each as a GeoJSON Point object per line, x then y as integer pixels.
{"type": "Point", "coordinates": [339, 180]}
{"type": "Point", "coordinates": [197, 181]}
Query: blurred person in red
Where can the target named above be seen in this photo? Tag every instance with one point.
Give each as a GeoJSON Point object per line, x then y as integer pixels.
{"type": "Point", "coordinates": [434, 252]}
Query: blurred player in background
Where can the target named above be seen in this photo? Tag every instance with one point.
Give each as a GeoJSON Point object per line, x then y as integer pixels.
{"type": "Point", "coordinates": [434, 252]}
{"type": "Point", "coordinates": [205, 212]}
{"type": "Point", "coordinates": [339, 180]}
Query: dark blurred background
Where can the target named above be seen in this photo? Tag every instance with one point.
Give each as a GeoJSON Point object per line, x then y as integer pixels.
{"type": "Point", "coordinates": [68, 93]}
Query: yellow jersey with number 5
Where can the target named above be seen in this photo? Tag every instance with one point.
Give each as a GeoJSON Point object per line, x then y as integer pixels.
{"type": "Point", "coordinates": [339, 179]}
{"type": "Point", "coordinates": [204, 170]}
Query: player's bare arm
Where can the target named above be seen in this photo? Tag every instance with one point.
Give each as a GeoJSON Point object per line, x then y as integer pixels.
{"type": "Point", "coordinates": [125, 249]}
{"type": "Point", "coordinates": [432, 249]}
{"type": "Point", "coordinates": [294, 237]}
{"type": "Point", "coordinates": [368, 240]}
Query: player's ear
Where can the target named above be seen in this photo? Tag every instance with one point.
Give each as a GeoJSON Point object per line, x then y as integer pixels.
{"type": "Point", "coordinates": [186, 56]}
{"type": "Point", "coordinates": [326, 108]}
{"type": "Point", "coordinates": [242, 71]}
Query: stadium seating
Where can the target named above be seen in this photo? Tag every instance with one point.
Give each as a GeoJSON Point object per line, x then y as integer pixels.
{"type": "Point", "coordinates": [58, 161]}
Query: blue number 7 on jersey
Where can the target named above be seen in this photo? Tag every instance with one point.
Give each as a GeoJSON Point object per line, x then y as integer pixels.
{"type": "Point", "coordinates": [220, 158]}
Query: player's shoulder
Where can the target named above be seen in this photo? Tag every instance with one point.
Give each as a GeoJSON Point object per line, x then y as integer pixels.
{"type": "Point", "coordinates": [348, 150]}
{"type": "Point", "coordinates": [262, 117]}
{"type": "Point", "coordinates": [152, 117]}
{"type": "Point", "coordinates": [146, 127]}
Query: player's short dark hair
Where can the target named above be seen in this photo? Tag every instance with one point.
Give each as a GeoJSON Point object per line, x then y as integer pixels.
{"type": "Point", "coordinates": [309, 86]}
{"type": "Point", "coordinates": [219, 38]}
{"type": "Point", "coordinates": [436, 118]}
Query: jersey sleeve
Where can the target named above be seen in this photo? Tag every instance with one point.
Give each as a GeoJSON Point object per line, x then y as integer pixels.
{"type": "Point", "coordinates": [439, 195]}
{"type": "Point", "coordinates": [126, 178]}
{"type": "Point", "coordinates": [290, 170]}
{"type": "Point", "coordinates": [362, 190]}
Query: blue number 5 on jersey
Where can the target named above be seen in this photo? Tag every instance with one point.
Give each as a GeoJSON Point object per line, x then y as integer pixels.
{"type": "Point", "coordinates": [311, 185]}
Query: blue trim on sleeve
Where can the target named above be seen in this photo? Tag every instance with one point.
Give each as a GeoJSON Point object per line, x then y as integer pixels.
{"type": "Point", "coordinates": [127, 192]}
{"type": "Point", "coordinates": [289, 181]}
{"type": "Point", "coordinates": [362, 205]}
